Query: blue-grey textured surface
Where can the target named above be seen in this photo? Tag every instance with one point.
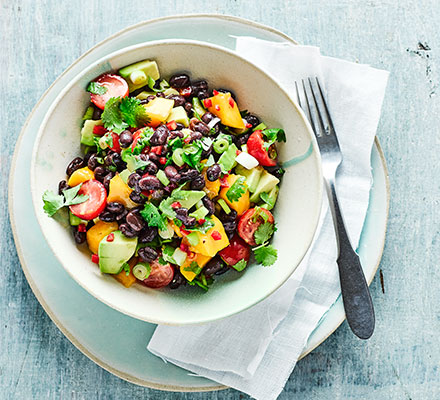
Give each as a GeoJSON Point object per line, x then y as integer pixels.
{"type": "Point", "coordinates": [39, 39]}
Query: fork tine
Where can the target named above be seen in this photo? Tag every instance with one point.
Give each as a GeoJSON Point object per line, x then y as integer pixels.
{"type": "Point", "coordinates": [313, 112]}
{"type": "Point", "coordinates": [324, 114]}
{"type": "Point", "coordinates": [316, 99]}
{"type": "Point", "coordinates": [327, 112]}
{"type": "Point", "coordinates": [298, 95]}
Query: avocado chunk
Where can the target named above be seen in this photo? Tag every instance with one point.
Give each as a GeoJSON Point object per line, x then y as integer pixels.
{"type": "Point", "coordinates": [113, 254]}
{"type": "Point", "coordinates": [87, 131]}
{"type": "Point", "coordinates": [179, 115]}
{"type": "Point", "coordinates": [144, 94]}
{"type": "Point", "coordinates": [75, 221]}
{"type": "Point", "coordinates": [188, 198]}
{"type": "Point", "coordinates": [266, 183]}
{"type": "Point", "coordinates": [125, 174]}
{"type": "Point", "coordinates": [252, 176]}
{"type": "Point", "coordinates": [137, 74]}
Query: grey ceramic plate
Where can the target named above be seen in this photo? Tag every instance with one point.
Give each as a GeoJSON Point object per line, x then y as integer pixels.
{"type": "Point", "coordinates": [52, 285]}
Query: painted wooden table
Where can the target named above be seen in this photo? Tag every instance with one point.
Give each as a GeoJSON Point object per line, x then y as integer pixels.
{"type": "Point", "coordinates": [39, 39]}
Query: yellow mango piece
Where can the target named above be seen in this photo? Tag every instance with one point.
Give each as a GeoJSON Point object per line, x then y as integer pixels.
{"type": "Point", "coordinates": [242, 204]}
{"type": "Point", "coordinates": [98, 232]}
{"type": "Point", "coordinates": [80, 176]}
{"type": "Point", "coordinates": [225, 108]}
{"type": "Point", "coordinates": [122, 277]}
{"type": "Point", "coordinates": [211, 188]}
{"type": "Point", "coordinates": [201, 261]}
{"type": "Point", "coordinates": [158, 110]}
{"type": "Point", "coordinates": [176, 228]}
{"type": "Point", "coordinates": [208, 245]}
{"type": "Point", "coordinates": [119, 192]}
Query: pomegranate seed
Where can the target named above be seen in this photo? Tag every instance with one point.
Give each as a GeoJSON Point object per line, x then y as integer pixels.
{"type": "Point", "coordinates": [217, 107]}
{"type": "Point", "coordinates": [214, 92]}
{"type": "Point", "coordinates": [95, 258]}
{"type": "Point", "coordinates": [216, 235]}
{"type": "Point", "coordinates": [156, 150]}
{"type": "Point", "coordinates": [184, 247]}
{"type": "Point", "coordinates": [172, 125]}
{"type": "Point", "coordinates": [176, 204]}
{"type": "Point", "coordinates": [248, 125]}
{"type": "Point", "coordinates": [82, 228]}
{"type": "Point", "coordinates": [163, 160]}
{"type": "Point", "coordinates": [231, 102]}
{"type": "Point", "coordinates": [99, 130]}
{"type": "Point", "coordinates": [201, 221]}
{"type": "Point", "coordinates": [207, 103]}
{"type": "Point", "coordinates": [184, 232]}
{"type": "Point", "coordinates": [110, 237]}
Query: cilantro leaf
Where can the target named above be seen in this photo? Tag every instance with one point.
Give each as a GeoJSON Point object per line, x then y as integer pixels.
{"type": "Point", "coordinates": [167, 254]}
{"type": "Point", "coordinates": [96, 88]}
{"type": "Point", "coordinates": [165, 207]}
{"type": "Point", "coordinates": [267, 199]}
{"type": "Point", "coordinates": [266, 255]}
{"type": "Point", "coordinates": [237, 189]}
{"type": "Point", "coordinates": [52, 202]}
{"type": "Point", "coordinates": [126, 268]}
{"type": "Point", "coordinates": [204, 228]}
{"type": "Point", "coordinates": [151, 214]}
{"type": "Point", "coordinates": [263, 233]}
{"type": "Point", "coordinates": [143, 140]}
{"type": "Point", "coordinates": [193, 267]}
{"type": "Point", "coordinates": [112, 116]}
{"type": "Point", "coordinates": [240, 266]}
{"type": "Point", "coordinates": [274, 135]}
{"type": "Point", "coordinates": [192, 154]}
{"type": "Point", "coordinates": [134, 162]}
{"type": "Point", "coordinates": [176, 143]}
{"type": "Point", "coordinates": [133, 112]}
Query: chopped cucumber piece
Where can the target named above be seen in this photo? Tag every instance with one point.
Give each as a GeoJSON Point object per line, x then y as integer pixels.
{"type": "Point", "coordinates": [89, 113]}
{"type": "Point", "coordinates": [193, 239]}
{"type": "Point", "coordinates": [252, 176]}
{"type": "Point", "coordinates": [227, 159]}
{"type": "Point", "coordinates": [200, 213]}
{"type": "Point", "coordinates": [170, 91]}
{"type": "Point", "coordinates": [266, 183]}
{"type": "Point", "coordinates": [224, 205]}
{"type": "Point", "coordinates": [144, 94]}
{"type": "Point", "coordinates": [75, 221]}
{"type": "Point", "coordinates": [162, 177]}
{"type": "Point", "coordinates": [179, 115]}
{"type": "Point", "coordinates": [138, 77]}
{"type": "Point", "coordinates": [179, 256]}
{"type": "Point", "coordinates": [198, 106]}
{"type": "Point", "coordinates": [147, 67]}
{"type": "Point", "coordinates": [261, 126]}
{"type": "Point", "coordinates": [87, 131]}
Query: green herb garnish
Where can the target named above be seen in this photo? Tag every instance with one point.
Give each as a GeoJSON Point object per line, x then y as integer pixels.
{"type": "Point", "coordinates": [119, 114]}
{"type": "Point", "coordinates": [152, 216]}
{"type": "Point", "coordinates": [237, 189]}
{"type": "Point", "coordinates": [265, 255]}
{"type": "Point", "coordinates": [240, 266]}
{"type": "Point", "coordinates": [53, 202]}
{"type": "Point", "coordinates": [264, 233]}
{"type": "Point", "coordinates": [96, 88]}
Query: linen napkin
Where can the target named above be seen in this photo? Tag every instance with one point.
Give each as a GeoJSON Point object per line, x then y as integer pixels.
{"type": "Point", "coordinates": [256, 350]}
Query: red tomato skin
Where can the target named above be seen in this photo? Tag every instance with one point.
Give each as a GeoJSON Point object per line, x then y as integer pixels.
{"type": "Point", "coordinates": [116, 146]}
{"type": "Point", "coordinates": [96, 202]}
{"type": "Point", "coordinates": [236, 251]}
{"type": "Point", "coordinates": [160, 276]}
{"type": "Point", "coordinates": [246, 227]}
{"type": "Point", "coordinates": [116, 87]}
{"type": "Point", "coordinates": [255, 147]}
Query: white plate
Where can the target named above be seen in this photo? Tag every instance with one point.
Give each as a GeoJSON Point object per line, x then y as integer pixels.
{"type": "Point", "coordinates": [53, 286]}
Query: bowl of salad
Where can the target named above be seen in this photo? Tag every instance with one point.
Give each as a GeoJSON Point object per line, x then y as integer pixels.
{"type": "Point", "coordinates": [176, 182]}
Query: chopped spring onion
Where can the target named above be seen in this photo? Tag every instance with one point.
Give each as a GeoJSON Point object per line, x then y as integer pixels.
{"type": "Point", "coordinates": [213, 122]}
{"type": "Point", "coordinates": [223, 205]}
{"type": "Point", "coordinates": [177, 157]}
{"type": "Point", "coordinates": [162, 177]}
{"type": "Point", "coordinates": [179, 256]}
{"type": "Point", "coordinates": [142, 271]}
{"type": "Point", "coordinates": [221, 145]}
{"type": "Point", "coordinates": [247, 160]}
{"type": "Point", "coordinates": [137, 77]}
{"type": "Point", "coordinates": [193, 239]}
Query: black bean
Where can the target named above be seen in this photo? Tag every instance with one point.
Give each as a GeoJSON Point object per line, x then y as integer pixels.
{"type": "Point", "coordinates": [125, 139]}
{"type": "Point", "coordinates": [182, 214]}
{"type": "Point", "coordinates": [62, 186]}
{"type": "Point", "coordinates": [107, 216]}
{"type": "Point", "coordinates": [147, 234]}
{"type": "Point", "coordinates": [80, 237]}
{"type": "Point", "coordinates": [100, 173]}
{"type": "Point", "coordinates": [223, 270]}
{"type": "Point", "coordinates": [242, 139]}
{"type": "Point", "coordinates": [179, 126]}
{"type": "Point", "coordinates": [121, 217]}
{"type": "Point", "coordinates": [148, 254]}
{"type": "Point", "coordinates": [137, 197]}
{"type": "Point", "coordinates": [151, 168]}
{"type": "Point", "coordinates": [151, 97]}
{"type": "Point", "coordinates": [276, 171]}
{"type": "Point", "coordinates": [169, 188]}
{"type": "Point", "coordinates": [213, 172]}
{"type": "Point", "coordinates": [198, 183]}
{"type": "Point", "coordinates": [206, 153]}
{"type": "Point", "coordinates": [160, 135]}
{"type": "Point", "coordinates": [232, 216]}
{"type": "Point", "coordinates": [195, 136]}
{"type": "Point", "coordinates": [252, 119]}
{"type": "Point", "coordinates": [106, 180]}
{"type": "Point", "coordinates": [97, 112]}
{"type": "Point", "coordinates": [93, 162]}
{"type": "Point", "coordinates": [87, 157]}
{"type": "Point", "coordinates": [230, 234]}
{"type": "Point", "coordinates": [160, 94]}
{"type": "Point", "coordinates": [127, 231]}
{"type": "Point", "coordinates": [202, 128]}
{"type": "Point", "coordinates": [133, 181]}
{"type": "Point", "coordinates": [114, 207]}
{"type": "Point", "coordinates": [188, 175]}
{"type": "Point", "coordinates": [200, 86]}
{"type": "Point", "coordinates": [171, 173]}
{"type": "Point", "coordinates": [188, 107]}
{"type": "Point", "coordinates": [177, 281]}
{"type": "Point", "coordinates": [178, 99]}
{"type": "Point", "coordinates": [112, 159]}
{"type": "Point", "coordinates": [203, 94]}
{"type": "Point", "coordinates": [230, 226]}
{"type": "Point", "coordinates": [75, 164]}
{"type": "Point", "coordinates": [149, 182]}
{"type": "Point", "coordinates": [192, 123]}
{"type": "Point", "coordinates": [135, 221]}
{"type": "Point", "coordinates": [190, 222]}
{"type": "Point", "coordinates": [209, 204]}
{"type": "Point", "coordinates": [213, 266]}
{"type": "Point", "coordinates": [157, 194]}
{"type": "Point", "coordinates": [208, 117]}
{"type": "Point", "coordinates": [153, 158]}
{"type": "Point", "coordinates": [179, 81]}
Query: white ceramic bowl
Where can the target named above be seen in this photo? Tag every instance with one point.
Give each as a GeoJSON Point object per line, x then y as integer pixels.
{"type": "Point", "coordinates": [296, 213]}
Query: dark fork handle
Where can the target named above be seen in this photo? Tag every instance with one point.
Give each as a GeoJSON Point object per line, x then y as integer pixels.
{"type": "Point", "coordinates": [355, 293]}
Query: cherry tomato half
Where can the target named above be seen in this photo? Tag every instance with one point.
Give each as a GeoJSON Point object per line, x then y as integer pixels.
{"type": "Point", "coordinates": [96, 202]}
{"type": "Point", "coordinates": [255, 147]}
{"type": "Point", "coordinates": [116, 146]}
{"type": "Point", "coordinates": [160, 276]}
{"type": "Point", "coordinates": [247, 226]}
{"type": "Point", "coordinates": [236, 251]}
{"type": "Point", "coordinates": [116, 87]}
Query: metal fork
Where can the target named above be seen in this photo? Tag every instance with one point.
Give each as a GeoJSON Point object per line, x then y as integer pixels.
{"type": "Point", "coordinates": [355, 293]}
